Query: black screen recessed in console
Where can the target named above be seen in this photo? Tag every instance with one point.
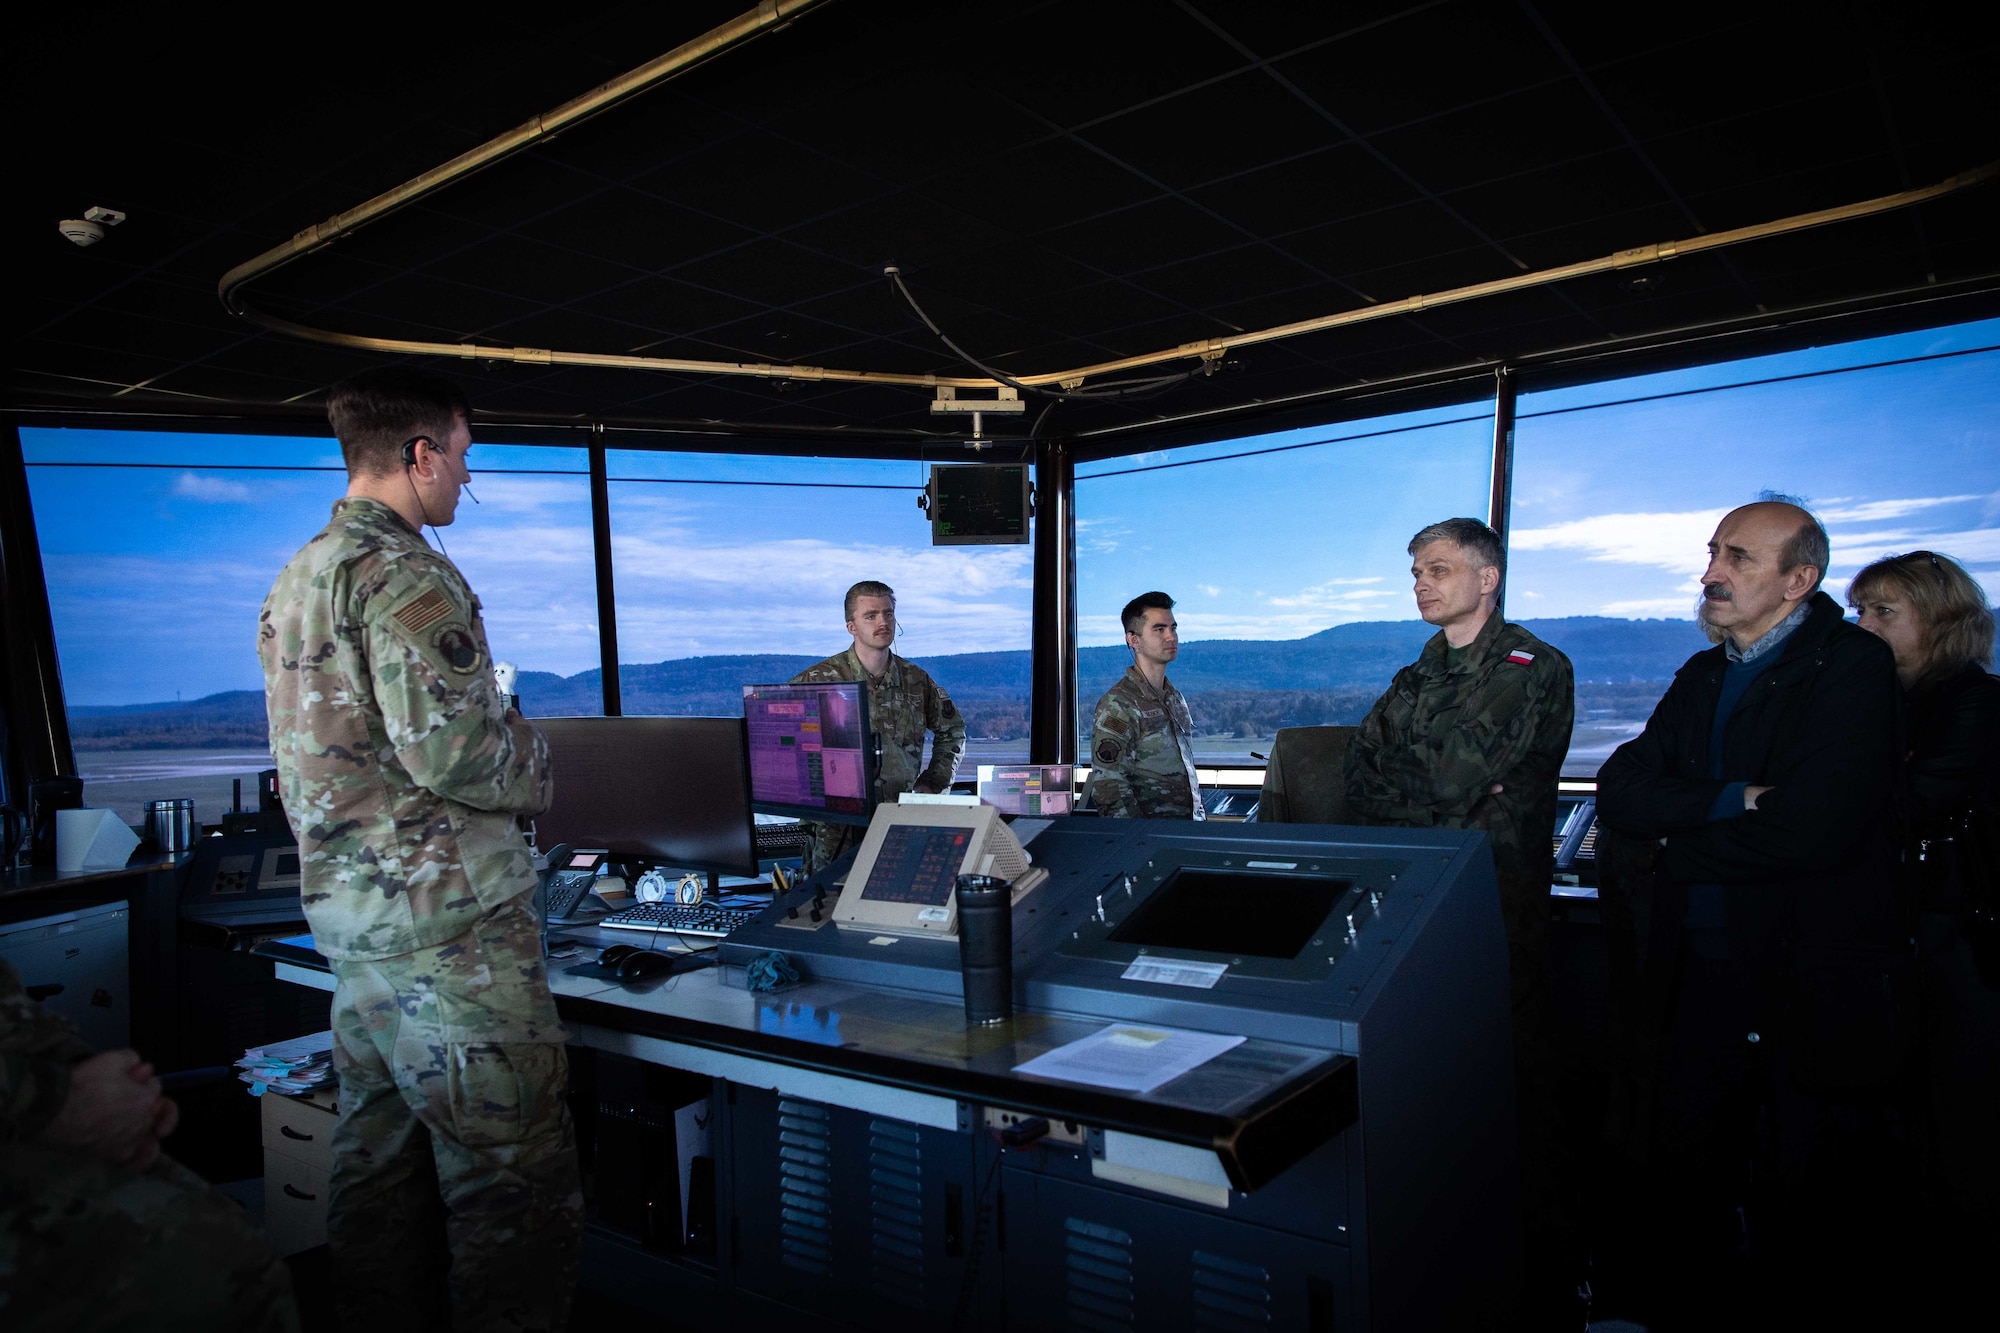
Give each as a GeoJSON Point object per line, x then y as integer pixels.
{"type": "Point", "coordinates": [1232, 912]}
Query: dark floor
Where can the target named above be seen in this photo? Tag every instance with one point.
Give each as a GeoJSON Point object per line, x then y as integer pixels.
{"type": "Point", "coordinates": [311, 1281]}
{"type": "Point", "coordinates": [1938, 1264]}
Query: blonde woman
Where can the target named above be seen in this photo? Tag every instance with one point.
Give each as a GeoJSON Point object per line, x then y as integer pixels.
{"type": "Point", "coordinates": [1936, 621]}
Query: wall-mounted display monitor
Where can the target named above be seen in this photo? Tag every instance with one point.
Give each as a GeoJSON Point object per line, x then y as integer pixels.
{"type": "Point", "coordinates": [670, 790]}
{"type": "Point", "coordinates": [907, 868]}
{"type": "Point", "coordinates": [1028, 789]}
{"type": "Point", "coordinates": [979, 504]}
{"type": "Point", "coordinates": [812, 753]}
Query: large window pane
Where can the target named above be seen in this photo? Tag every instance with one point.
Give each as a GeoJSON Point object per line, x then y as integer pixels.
{"type": "Point", "coordinates": [526, 549]}
{"type": "Point", "coordinates": [1287, 554]}
{"type": "Point", "coordinates": [1894, 441]}
{"type": "Point", "coordinates": [159, 549]}
{"type": "Point", "coordinates": [731, 570]}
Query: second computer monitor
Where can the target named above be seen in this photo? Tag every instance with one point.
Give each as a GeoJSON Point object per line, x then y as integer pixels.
{"type": "Point", "coordinates": [812, 753]}
{"type": "Point", "coordinates": [671, 790]}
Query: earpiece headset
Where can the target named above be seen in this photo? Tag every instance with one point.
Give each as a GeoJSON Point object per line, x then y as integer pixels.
{"type": "Point", "coordinates": [409, 453]}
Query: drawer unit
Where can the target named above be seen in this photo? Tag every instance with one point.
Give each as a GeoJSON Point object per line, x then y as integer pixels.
{"type": "Point", "coordinates": [294, 1204]}
{"type": "Point", "coordinates": [298, 1164]}
{"type": "Point", "coordinates": [300, 1128]}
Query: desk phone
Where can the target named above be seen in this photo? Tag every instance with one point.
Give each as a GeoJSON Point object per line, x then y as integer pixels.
{"type": "Point", "coordinates": [571, 875]}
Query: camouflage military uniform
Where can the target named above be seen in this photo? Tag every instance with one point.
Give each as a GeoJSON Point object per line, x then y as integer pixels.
{"type": "Point", "coordinates": [402, 773]}
{"type": "Point", "coordinates": [903, 703]}
{"type": "Point", "coordinates": [87, 1244]}
{"type": "Point", "coordinates": [1142, 752]}
{"type": "Point", "coordinates": [1426, 756]}
{"type": "Point", "coordinates": [1444, 733]}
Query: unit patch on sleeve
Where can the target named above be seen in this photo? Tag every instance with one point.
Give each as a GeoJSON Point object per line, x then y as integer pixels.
{"type": "Point", "coordinates": [1107, 752]}
{"type": "Point", "coordinates": [458, 649]}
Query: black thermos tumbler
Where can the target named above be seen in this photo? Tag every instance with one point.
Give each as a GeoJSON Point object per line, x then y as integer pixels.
{"type": "Point", "coordinates": [986, 947]}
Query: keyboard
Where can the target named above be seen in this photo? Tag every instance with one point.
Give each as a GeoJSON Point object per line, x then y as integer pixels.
{"type": "Point", "coordinates": [672, 918]}
{"type": "Point", "coordinates": [775, 842]}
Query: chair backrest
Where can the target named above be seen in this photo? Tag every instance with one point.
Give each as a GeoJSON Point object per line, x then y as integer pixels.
{"type": "Point", "coordinates": [1306, 781]}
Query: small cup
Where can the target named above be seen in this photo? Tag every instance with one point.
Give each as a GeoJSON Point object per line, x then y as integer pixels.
{"type": "Point", "coordinates": [986, 947]}
{"type": "Point", "coordinates": [170, 824]}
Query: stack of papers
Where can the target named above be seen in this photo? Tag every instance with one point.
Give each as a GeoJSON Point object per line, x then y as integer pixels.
{"type": "Point", "coordinates": [294, 1066]}
{"type": "Point", "coordinates": [1130, 1058]}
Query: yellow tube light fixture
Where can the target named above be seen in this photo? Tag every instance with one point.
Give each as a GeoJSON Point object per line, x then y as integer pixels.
{"type": "Point", "coordinates": [776, 13]}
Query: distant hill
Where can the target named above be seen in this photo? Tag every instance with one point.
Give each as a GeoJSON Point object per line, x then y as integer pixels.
{"type": "Point", "coordinates": [232, 718]}
{"type": "Point", "coordinates": [1329, 676]}
{"type": "Point", "coordinates": [1243, 686]}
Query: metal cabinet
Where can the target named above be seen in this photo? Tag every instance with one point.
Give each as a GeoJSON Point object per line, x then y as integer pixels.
{"type": "Point", "coordinates": [838, 1210]}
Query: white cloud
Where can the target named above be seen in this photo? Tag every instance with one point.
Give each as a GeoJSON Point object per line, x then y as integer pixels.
{"type": "Point", "coordinates": [773, 596]}
{"type": "Point", "coordinates": [1973, 546]}
{"type": "Point", "coordinates": [1337, 594]}
{"type": "Point", "coordinates": [1099, 536]}
{"type": "Point", "coordinates": [1875, 511]}
{"type": "Point", "coordinates": [1208, 589]}
{"type": "Point", "coordinates": [1674, 541]}
{"type": "Point", "coordinates": [210, 490]}
{"type": "Point", "coordinates": [1670, 608]}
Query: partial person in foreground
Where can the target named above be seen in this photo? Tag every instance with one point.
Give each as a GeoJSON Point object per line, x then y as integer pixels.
{"type": "Point", "coordinates": [1141, 733]}
{"type": "Point", "coordinates": [1472, 735]}
{"type": "Point", "coordinates": [98, 1228]}
{"type": "Point", "coordinates": [1761, 796]}
{"type": "Point", "coordinates": [904, 705]}
{"type": "Point", "coordinates": [455, 1198]}
{"type": "Point", "coordinates": [1934, 617]}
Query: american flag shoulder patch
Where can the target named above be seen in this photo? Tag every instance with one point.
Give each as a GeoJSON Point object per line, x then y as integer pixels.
{"type": "Point", "coordinates": [1519, 658]}
{"type": "Point", "coordinates": [421, 613]}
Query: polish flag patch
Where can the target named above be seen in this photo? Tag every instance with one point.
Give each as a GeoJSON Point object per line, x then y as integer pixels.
{"type": "Point", "coordinates": [1519, 658]}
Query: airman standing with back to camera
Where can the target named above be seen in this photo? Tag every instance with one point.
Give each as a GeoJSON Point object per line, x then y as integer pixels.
{"type": "Point", "coordinates": [903, 704]}
{"type": "Point", "coordinates": [1142, 735]}
{"type": "Point", "coordinates": [454, 1199]}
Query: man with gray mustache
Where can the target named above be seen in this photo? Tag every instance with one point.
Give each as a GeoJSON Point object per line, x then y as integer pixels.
{"type": "Point", "coordinates": [1760, 794]}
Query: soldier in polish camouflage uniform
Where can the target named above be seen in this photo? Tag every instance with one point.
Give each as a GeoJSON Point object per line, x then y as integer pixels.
{"type": "Point", "coordinates": [903, 703]}
{"type": "Point", "coordinates": [402, 771]}
{"type": "Point", "coordinates": [1472, 735]}
{"type": "Point", "coordinates": [98, 1230]}
{"type": "Point", "coordinates": [1142, 735]}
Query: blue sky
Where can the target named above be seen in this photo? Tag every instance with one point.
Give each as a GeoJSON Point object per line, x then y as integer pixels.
{"type": "Point", "coordinates": [1277, 536]}
{"type": "Point", "coordinates": [156, 573]}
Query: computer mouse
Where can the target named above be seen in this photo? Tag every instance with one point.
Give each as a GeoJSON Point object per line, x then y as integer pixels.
{"type": "Point", "coordinates": [640, 964]}
{"type": "Point", "coordinates": [615, 955]}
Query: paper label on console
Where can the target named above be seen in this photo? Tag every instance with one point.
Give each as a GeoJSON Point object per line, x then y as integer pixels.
{"type": "Point", "coordinates": [1175, 972]}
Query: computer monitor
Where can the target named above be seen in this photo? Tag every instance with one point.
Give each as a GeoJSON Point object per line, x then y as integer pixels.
{"type": "Point", "coordinates": [1036, 790]}
{"type": "Point", "coordinates": [670, 790]}
{"type": "Point", "coordinates": [812, 753]}
{"type": "Point", "coordinates": [909, 863]}
{"type": "Point", "coordinates": [979, 504]}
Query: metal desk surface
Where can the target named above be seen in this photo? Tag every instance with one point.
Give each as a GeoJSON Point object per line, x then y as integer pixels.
{"type": "Point", "coordinates": [1257, 1108]}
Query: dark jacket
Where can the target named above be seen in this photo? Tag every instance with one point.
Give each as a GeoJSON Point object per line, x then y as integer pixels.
{"type": "Point", "coordinates": [1954, 765]}
{"type": "Point", "coordinates": [1811, 871]}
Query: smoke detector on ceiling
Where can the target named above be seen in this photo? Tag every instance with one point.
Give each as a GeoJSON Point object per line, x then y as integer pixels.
{"type": "Point", "coordinates": [89, 229]}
